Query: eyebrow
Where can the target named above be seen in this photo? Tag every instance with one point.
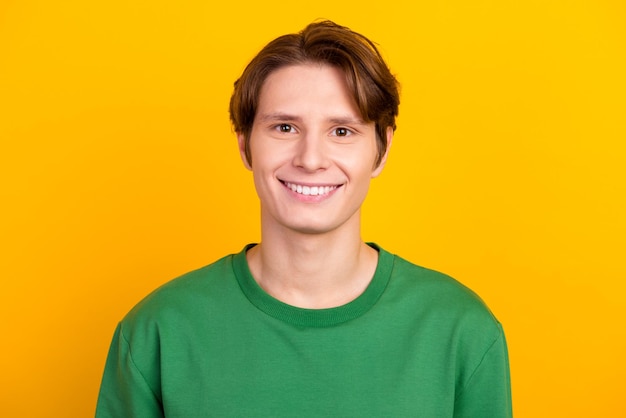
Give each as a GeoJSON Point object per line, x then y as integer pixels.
{"type": "Point", "coordinates": [347, 121]}
{"type": "Point", "coordinates": [278, 116]}
{"type": "Point", "coordinates": [339, 120]}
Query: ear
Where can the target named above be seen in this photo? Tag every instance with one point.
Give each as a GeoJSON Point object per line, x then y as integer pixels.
{"type": "Point", "coordinates": [383, 160]}
{"type": "Point", "coordinates": [241, 140]}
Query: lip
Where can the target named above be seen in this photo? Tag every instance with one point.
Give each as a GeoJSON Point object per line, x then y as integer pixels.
{"type": "Point", "coordinates": [310, 192]}
{"type": "Point", "coordinates": [304, 183]}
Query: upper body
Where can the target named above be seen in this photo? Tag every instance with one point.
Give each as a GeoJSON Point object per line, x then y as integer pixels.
{"type": "Point", "coordinates": [314, 114]}
{"type": "Point", "coordinates": [415, 343]}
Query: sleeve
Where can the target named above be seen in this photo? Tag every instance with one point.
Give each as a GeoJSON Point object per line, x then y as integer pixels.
{"type": "Point", "coordinates": [488, 391]}
{"type": "Point", "coordinates": [124, 391]}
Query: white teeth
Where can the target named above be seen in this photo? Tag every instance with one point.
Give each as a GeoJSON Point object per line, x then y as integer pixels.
{"type": "Point", "coordinates": [310, 190]}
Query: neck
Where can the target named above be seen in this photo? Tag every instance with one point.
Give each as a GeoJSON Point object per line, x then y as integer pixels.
{"type": "Point", "coordinates": [313, 270]}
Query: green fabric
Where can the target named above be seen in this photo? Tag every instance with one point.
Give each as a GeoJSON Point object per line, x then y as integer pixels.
{"type": "Point", "coordinates": [416, 343]}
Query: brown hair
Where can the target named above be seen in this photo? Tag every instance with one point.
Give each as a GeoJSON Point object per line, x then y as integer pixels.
{"type": "Point", "coordinates": [374, 88]}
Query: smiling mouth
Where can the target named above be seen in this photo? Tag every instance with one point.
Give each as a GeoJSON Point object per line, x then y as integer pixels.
{"type": "Point", "coordinates": [309, 190]}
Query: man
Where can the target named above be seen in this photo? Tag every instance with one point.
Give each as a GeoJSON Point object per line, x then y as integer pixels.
{"type": "Point", "coordinates": [312, 321]}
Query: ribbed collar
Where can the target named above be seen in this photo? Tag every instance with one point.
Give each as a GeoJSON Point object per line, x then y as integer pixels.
{"type": "Point", "coordinates": [313, 317]}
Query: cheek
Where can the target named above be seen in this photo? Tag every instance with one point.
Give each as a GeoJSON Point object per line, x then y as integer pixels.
{"type": "Point", "coordinates": [358, 165]}
{"type": "Point", "coordinates": [265, 166]}
{"type": "Point", "coordinates": [266, 159]}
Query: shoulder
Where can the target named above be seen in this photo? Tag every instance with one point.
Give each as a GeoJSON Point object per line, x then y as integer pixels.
{"type": "Point", "coordinates": [190, 295]}
{"type": "Point", "coordinates": [433, 282]}
{"type": "Point", "coordinates": [437, 295]}
{"type": "Point", "coordinates": [444, 311]}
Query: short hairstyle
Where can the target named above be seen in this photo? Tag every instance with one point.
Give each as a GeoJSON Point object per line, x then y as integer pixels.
{"type": "Point", "coordinates": [373, 87]}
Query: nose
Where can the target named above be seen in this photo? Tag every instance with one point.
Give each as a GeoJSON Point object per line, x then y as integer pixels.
{"type": "Point", "coordinates": [311, 153]}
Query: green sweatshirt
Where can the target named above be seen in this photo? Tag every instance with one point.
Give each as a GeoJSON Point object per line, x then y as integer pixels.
{"type": "Point", "coordinates": [212, 343]}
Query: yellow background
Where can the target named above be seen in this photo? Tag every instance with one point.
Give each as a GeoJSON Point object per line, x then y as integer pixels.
{"type": "Point", "coordinates": [119, 171]}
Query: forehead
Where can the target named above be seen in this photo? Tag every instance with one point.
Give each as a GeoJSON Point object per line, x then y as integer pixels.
{"type": "Point", "coordinates": [307, 89]}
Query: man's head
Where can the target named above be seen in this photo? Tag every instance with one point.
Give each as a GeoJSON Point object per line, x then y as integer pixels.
{"type": "Point", "coordinates": [373, 87]}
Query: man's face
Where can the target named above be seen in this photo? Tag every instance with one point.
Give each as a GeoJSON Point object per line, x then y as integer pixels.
{"type": "Point", "coordinates": [312, 154]}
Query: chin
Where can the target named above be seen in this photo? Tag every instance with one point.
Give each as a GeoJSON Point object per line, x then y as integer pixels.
{"type": "Point", "coordinates": [312, 223]}
{"type": "Point", "coordinates": [311, 229]}
{"type": "Point", "coordinates": [314, 226]}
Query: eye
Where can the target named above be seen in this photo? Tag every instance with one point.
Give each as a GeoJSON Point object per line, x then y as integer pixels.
{"type": "Point", "coordinates": [342, 132]}
{"type": "Point", "coordinates": [285, 128]}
